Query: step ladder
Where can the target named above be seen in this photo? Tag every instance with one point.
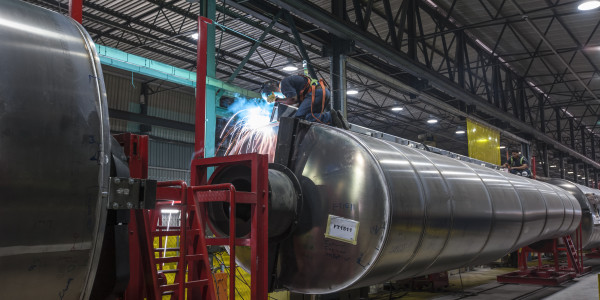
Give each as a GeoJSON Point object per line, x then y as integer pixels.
{"type": "Point", "coordinates": [573, 254]}
{"type": "Point", "coordinates": [192, 274]}
{"type": "Point", "coordinates": [172, 195]}
{"type": "Point", "coordinates": [193, 278]}
{"type": "Point", "coordinates": [257, 197]}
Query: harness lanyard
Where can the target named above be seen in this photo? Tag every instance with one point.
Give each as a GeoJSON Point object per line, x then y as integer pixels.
{"type": "Point", "coordinates": [305, 67]}
{"type": "Point", "coordinates": [313, 89]}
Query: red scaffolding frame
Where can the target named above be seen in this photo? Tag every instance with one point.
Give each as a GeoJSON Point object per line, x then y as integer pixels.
{"type": "Point", "coordinates": [193, 275]}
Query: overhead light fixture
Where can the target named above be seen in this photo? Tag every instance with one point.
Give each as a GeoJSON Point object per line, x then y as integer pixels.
{"type": "Point", "coordinates": [432, 120]}
{"type": "Point", "coordinates": [569, 172]}
{"type": "Point", "coordinates": [502, 147]}
{"type": "Point", "coordinates": [195, 36]}
{"type": "Point", "coordinates": [352, 92]}
{"type": "Point", "coordinates": [290, 66]}
{"type": "Point", "coordinates": [397, 108]}
{"type": "Point", "coordinates": [589, 5]}
{"type": "Point", "coordinates": [553, 166]}
{"type": "Point", "coordinates": [462, 132]}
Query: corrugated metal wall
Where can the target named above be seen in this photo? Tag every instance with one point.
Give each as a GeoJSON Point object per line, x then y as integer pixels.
{"type": "Point", "coordinates": [120, 92]}
{"type": "Point", "coordinates": [172, 105]}
{"type": "Point", "coordinates": [170, 150]}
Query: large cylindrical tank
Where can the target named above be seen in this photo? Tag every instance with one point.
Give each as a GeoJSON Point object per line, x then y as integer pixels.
{"type": "Point", "coordinates": [54, 138]}
{"type": "Point", "coordinates": [411, 212]}
{"type": "Point", "coordinates": [589, 200]}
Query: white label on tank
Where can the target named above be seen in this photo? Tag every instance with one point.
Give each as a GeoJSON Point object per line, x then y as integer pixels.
{"type": "Point", "coordinates": [342, 229]}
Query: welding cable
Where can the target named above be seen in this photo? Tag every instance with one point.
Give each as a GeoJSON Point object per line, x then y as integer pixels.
{"type": "Point", "coordinates": [237, 275]}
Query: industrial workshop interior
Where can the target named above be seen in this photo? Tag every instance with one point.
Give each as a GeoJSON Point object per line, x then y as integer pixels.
{"type": "Point", "coordinates": [299, 149]}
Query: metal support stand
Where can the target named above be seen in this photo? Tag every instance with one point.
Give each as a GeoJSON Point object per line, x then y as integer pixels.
{"type": "Point", "coordinates": [435, 282]}
{"type": "Point", "coordinates": [554, 274]}
{"type": "Point", "coordinates": [191, 254]}
{"type": "Point", "coordinates": [533, 168]}
{"type": "Point", "coordinates": [136, 150]}
{"type": "Point", "coordinates": [257, 198]}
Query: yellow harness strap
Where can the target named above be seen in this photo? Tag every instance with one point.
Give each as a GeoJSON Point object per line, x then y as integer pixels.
{"type": "Point", "coordinates": [313, 89]}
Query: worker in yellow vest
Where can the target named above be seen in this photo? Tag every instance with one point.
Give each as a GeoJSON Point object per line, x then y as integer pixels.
{"type": "Point", "coordinates": [517, 164]}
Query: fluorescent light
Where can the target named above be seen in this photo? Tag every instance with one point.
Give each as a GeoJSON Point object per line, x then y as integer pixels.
{"type": "Point", "coordinates": [569, 172]}
{"type": "Point", "coordinates": [432, 121]}
{"type": "Point", "coordinates": [462, 132]}
{"type": "Point", "coordinates": [553, 166]}
{"type": "Point", "coordinates": [397, 108]}
{"type": "Point", "coordinates": [169, 211]}
{"type": "Point", "coordinates": [588, 5]}
{"type": "Point", "coordinates": [195, 36]}
{"type": "Point", "coordinates": [502, 147]}
{"type": "Point", "coordinates": [352, 92]}
{"type": "Point", "coordinates": [289, 68]}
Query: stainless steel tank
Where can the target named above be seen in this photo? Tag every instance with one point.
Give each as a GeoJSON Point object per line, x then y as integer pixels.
{"type": "Point", "coordinates": [375, 211]}
{"type": "Point", "coordinates": [589, 200]}
{"type": "Point", "coordinates": [54, 138]}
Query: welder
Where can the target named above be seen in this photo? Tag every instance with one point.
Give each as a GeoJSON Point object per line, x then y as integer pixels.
{"type": "Point", "coordinates": [311, 96]}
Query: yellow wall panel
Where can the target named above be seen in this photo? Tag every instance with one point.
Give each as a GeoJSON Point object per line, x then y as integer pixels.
{"type": "Point", "coordinates": [484, 142]}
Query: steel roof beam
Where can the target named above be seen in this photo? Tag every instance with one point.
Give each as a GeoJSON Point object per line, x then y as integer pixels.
{"type": "Point", "coordinates": [560, 58]}
{"type": "Point", "coordinates": [324, 20]}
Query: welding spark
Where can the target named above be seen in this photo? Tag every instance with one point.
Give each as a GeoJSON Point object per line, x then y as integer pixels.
{"type": "Point", "coordinates": [250, 130]}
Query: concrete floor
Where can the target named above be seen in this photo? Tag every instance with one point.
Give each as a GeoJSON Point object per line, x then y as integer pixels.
{"type": "Point", "coordinates": [481, 284]}
{"type": "Point", "coordinates": [586, 287]}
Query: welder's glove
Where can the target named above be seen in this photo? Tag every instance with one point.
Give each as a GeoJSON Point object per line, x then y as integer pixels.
{"type": "Point", "coordinates": [271, 98]}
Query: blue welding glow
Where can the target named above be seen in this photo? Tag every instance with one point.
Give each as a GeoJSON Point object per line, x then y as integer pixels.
{"type": "Point", "coordinates": [279, 95]}
{"type": "Point", "coordinates": [250, 128]}
{"type": "Point", "coordinates": [253, 113]}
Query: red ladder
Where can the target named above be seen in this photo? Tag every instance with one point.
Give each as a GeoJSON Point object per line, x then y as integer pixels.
{"type": "Point", "coordinates": [192, 254]}
{"type": "Point", "coordinates": [257, 198]}
{"type": "Point", "coordinates": [573, 254]}
{"type": "Point", "coordinates": [192, 258]}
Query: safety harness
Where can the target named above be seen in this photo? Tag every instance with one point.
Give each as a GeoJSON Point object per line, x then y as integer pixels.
{"type": "Point", "coordinates": [311, 86]}
{"type": "Point", "coordinates": [512, 161]}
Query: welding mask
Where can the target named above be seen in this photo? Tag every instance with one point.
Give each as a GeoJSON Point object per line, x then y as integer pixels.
{"type": "Point", "coordinates": [269, 88]}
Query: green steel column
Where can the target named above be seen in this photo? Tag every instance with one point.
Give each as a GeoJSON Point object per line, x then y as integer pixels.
{"type": "Point", "coordinates": [208, 8]}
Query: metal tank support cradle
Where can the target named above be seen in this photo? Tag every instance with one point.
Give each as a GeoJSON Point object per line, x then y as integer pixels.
{"type": "Point", "coordinates": [544, 274]}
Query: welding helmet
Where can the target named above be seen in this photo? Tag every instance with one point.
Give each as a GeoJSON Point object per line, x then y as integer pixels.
{"type": "Point", "coordinates": [269, 87]}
